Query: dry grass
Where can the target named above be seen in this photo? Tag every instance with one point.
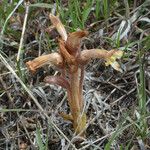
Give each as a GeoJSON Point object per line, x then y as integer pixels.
{"type": "Point", "coordinates": [117, 104]}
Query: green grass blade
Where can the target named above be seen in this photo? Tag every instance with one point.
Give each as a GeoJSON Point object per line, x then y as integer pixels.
{"type": "Point", "coordinates": [7, 19]}
{"type": "Point", "coordinates": [105, 3]}
{"type": "Point", "coordinates": [39, 139]}
{"type": "Point", "coordinates": [97, 9]}
{"type": "Point", "coordinates": [85, 15]}
{"type": "Point", "coordinates": [42, 5]}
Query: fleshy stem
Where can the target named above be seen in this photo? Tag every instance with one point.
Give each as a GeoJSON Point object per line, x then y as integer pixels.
{"type": "Point", "coordinates": [79, 117]}
{"type": "Point", "coordinates": [74, 85]}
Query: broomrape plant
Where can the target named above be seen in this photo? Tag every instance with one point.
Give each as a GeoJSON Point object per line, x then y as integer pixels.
{"type": "Point", "coordinates": [71, 62]}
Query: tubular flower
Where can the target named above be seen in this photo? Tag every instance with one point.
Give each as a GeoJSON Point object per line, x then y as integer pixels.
{"type": "Point", "coordinates": [50, 59]}
{"type": "Point", "coordinates": [109, 56]}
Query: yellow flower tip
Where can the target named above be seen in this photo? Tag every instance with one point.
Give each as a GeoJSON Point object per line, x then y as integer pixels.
{"type": "Point", "coordinates": [116, 66]}
{"type": "Point", "coordinates": [116, 54]}
{"type": "Point", "coordinates": [59, 26]}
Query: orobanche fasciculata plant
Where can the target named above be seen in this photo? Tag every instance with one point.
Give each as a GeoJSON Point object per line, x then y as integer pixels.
{"type": "Point", "coordinates": [71, 61]}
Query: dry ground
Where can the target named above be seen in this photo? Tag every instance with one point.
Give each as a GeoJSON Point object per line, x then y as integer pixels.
{"type": "Point", "coordinates": [112, 100]}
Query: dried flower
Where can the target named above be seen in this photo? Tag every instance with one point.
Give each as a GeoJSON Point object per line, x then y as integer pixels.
{"type": "Point", "coordinates": [59, 26]}
{"type": "Point", "coordinates": [51, 59]}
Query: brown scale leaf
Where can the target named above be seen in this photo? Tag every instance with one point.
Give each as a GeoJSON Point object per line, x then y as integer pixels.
{"type": "Point", "coordinates": [57, 80]}
{"type": "Point", "coordinates": [74, 40]}
{"type": "Point", "coordinates": [68, 58]}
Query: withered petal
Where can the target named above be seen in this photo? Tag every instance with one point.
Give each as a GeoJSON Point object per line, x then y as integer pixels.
{"type": "Point", "coordinates": [116, 66]}
{"type": "Point", "coordinates": [59, 26]}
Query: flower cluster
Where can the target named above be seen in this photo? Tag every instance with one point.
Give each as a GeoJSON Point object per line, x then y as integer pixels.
{"type": "Point", "coordinates": [71, 61]}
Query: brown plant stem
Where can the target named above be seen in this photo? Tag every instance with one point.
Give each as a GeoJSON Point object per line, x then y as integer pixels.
{"type": "Point", "coordinates": [76, 99]}
{"type": "Point", "coordinates": [81, 86]}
